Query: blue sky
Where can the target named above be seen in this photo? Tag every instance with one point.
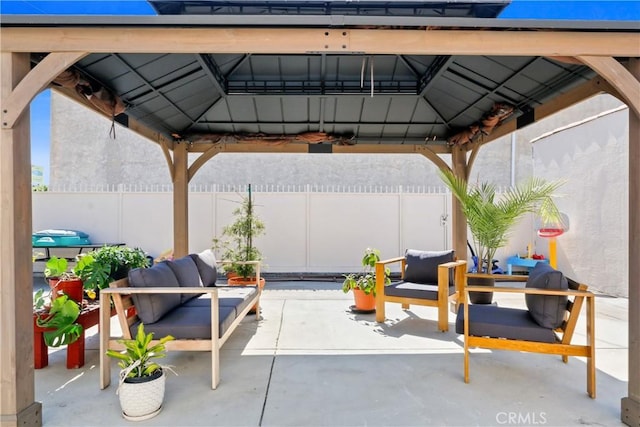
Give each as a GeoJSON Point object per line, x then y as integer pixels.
{"type": "Point", "coordinates": [615, 10]}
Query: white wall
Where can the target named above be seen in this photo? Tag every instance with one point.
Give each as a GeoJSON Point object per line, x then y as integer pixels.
{"type": "Point", "coordinates": [592, 158]}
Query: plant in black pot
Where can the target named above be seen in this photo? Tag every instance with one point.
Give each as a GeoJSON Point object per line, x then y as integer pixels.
{"type": "Point", "coordinates": [142, 380]}
{"type": "Point", "coordinates": [492, 216]}
{"type": "Point", "coordinates": [109, 263]}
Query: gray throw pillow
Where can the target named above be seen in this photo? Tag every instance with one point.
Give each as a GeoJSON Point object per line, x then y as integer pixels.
{"type": "Point", "coordinates": [547, 310]}
{"type": "Point", "coordinates": [422, 266]}
{"type": "Point", "coordinates": [187, 274]}
{"type": "Point", "coordinates": [151, 307]}
{"type": "Point", "coordinates": [206, 263]}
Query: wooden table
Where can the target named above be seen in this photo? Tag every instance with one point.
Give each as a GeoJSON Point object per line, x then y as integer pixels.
{"type": "Point", "coordinates": [89, 316]}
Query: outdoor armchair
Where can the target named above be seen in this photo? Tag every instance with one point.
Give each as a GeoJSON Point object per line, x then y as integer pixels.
{"type": "Point", "coordinates": [428, 278]}
{"type": "Point", "coordinates": [546, 326]}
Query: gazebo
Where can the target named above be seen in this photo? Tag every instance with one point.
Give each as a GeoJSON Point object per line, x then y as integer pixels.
{"type": "Point", "coordinates": [438, 79]}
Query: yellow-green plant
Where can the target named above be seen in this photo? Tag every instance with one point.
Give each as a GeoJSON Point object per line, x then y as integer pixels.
{"type": "Point", "coordinates": [366, 280]}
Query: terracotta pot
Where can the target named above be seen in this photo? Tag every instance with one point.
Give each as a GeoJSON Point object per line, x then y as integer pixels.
{"type": "Point", "coordinates": [241, 281]}
{"type": "Point", "coordinates": [73, 288]}
{"type": "Point", "coordinates": [363, 301]}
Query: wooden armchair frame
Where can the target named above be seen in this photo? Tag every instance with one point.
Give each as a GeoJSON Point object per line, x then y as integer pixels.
{"type": "Point", "coordinates": [459, 268]}
{"type": "Point", "coordinates": [564, 333]}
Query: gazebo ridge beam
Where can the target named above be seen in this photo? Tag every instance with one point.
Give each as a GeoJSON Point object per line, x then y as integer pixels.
{"type": "Point", "coordinates": [304, 40]}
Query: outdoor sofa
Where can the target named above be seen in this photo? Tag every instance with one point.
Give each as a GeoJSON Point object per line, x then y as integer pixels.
{"type": "Point", "coordinates": [178, 298]}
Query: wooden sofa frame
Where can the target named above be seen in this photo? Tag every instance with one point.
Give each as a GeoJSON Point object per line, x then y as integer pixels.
{"type": "Point", "coordinates": [564, 333]}
{"type": "Point", "coordinates": [443, 290]}
{"type": "Point", "coordinates": [120, 292]}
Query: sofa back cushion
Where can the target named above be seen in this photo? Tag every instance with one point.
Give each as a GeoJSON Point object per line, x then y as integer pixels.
{"type": "Point", "coordinates": [151, 307]}
{"type": "Point", "coordinates": [206, 263]}
{"type": "Point", "coordinates": [547, 310]}
{"type": "Point", "coordinates": [187, 274]}
{"type": "Point", "coordinates": [422, 266]}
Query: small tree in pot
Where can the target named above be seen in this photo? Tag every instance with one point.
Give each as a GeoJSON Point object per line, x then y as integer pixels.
{"type": "Point", "coordinates": [237, 242]}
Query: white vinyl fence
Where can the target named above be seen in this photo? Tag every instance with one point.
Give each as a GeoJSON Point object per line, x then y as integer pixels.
{"type": "Point", "coordinates": [308, 230]}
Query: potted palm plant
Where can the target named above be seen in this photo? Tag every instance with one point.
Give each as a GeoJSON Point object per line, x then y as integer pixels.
{"type": "Point", "coordinates": [142, 380]}
{"type": "Point", "coordinates": [491, 217]}
{"type": "Point", "coordinates": [363, 284]}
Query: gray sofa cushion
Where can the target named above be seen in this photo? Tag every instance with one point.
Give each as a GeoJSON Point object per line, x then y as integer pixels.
{"type": "Point", "coordinates": [152, 307]}
{"type": "Point", "coordinates": [547, 310]}
{"type": "Point", "coordinates": [228, 296]}
{"type": "Point", "coordinates": [502, 322]}
{"type": "Point", "coordinates": [187, 274]}
{"type": "Point", "coordinates": [206, 263]}
{"type": "Point", "coordinates": [415, 290]}
{"type": "Point", "coordinates": [422, 266]}
{"type": "Point", "coordinates": [189, 323]}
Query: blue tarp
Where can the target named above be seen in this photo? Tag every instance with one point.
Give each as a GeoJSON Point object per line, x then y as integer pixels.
{"type": "Point", "coordinates": [59, 238]}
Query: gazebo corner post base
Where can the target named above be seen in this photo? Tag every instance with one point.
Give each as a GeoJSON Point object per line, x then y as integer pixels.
{"type": "Point", "coordinates": [630, 411]}
{"type": "Point", "coordinates": [29, 416]}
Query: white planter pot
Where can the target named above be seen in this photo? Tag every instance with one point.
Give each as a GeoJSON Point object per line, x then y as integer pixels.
{"type": "Point", "coordinates": [142, 400]}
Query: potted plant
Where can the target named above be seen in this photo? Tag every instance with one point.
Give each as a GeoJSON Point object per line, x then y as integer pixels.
{"type": "Point", "coordinates": [237, 243]}
{"type": "Point", "coordinates": [63, 280]}
{"type": "Point", "coordinates": [142, 380]}
{"type": "Point", "coordinates": [58, 318]}
{"type": "Point", "coordinates": [491, 217]}
{"type": "Point", "coordinates": [363, 284]}
{"type": "Point", "coordinates": [100, 267]}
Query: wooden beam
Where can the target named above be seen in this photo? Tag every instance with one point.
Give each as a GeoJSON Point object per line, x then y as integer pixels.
{"type": "Point", "coordinates": [303, 40]}
{"type": "Point", "coordinates": [180, 201]}
{"type": "Point", "coordinates": [459, 221]}
{"type": "Point", "coordinates": [17, 394]}
{"type": "Point", "coordinates": [204, 158]}
{"type": "Point", "coordinates": [578, 94]}
{"type": "Point", "coordinates": [132, 124]}
{"type": "Point", "coordinates": [619, 77]}
{"type": "Point", "coordinates": [302, 147]}
{"type": "Point", "coordinates": [38, 79]}
{"type": "Point", "coordinates": [631, 403]}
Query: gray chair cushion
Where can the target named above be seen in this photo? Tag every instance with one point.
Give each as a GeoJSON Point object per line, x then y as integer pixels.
{"type": "Point", "coordinates": [152, 307]}
{"type": "Point", "coordinates": [415, 290]}
{"type": "Point", "coordinates": [547, 310]}
{"type": "Point", "coordinates": [187, 274]}
{"type": "Point", "coordinates": [502, 322]}
{"type": "Point", "coordinates": [206, 263]}
{"type": "Point", "coordinates": [189, 323]}
{"type": "Point", "coordinates": [422, 266]}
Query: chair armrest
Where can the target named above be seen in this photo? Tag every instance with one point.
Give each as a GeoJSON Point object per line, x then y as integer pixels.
{"type": "Point", "coordinates": [534, 291]}
{"type": "Point", "coordinates": [391, 260]}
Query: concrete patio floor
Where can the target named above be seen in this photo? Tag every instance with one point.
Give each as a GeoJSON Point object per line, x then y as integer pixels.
{"type": "Point", "coordinates": [312, 362]}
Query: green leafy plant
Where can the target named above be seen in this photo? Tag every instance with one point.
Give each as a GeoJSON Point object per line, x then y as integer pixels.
{"type": "Point", "coordinates": [237, 244]}
{"type": "Point", "coordinates": [366, 280]}
{"type": "Point", "coordinates": [136, 360]}
{"type": "Point", "coordinates": [56, 268]}
{"type": "Point", "coordinates": [100, 267]}
{"type": "Point", "coordinates": [491, 217]}
{"type": "Point", "coordinates": [60, 319]}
